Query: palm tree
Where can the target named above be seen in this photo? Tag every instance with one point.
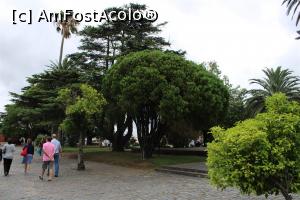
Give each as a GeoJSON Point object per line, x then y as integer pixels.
{"type": "Point", "coordinates": [292, 8]}
{"type": "Point", "coordinates": [66, 27]}
{"type": "Point", "coordinates": [278, 80]}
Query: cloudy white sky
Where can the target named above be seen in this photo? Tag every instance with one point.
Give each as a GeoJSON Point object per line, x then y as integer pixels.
{"type": "Point", "coordinates": [243, 37]}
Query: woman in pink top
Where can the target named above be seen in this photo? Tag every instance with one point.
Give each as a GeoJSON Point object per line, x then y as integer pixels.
{"type": "Point", "coordinates": [48, 158]}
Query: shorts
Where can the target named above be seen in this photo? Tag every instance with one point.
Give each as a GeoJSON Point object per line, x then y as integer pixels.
{"type": "Point", "coordinates": [27, 159]}
{"type": "Point", "coordinates": [47, 164]}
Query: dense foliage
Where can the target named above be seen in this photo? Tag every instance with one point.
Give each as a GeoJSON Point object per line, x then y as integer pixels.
{"type": "Point", "coordinates": [155, 88]}
{"type": "Point", "coordinates": [36, 109]}
{"type": "Point", "coordinates": [260, 155]}
{"type": "Point", "coordinates": [100, 47]}
{"type": "Point", "coordinates": [82, 103]}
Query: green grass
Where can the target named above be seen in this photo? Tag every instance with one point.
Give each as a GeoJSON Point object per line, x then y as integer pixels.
{"type": "Point", "coordinates": [129, 159]}
{"type": "Point", "coordinates": [175, 159]}
{"type": "Point", "coordinates": [86, 149]}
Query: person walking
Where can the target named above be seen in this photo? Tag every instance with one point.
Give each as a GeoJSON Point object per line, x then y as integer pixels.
{"type": "Point", "coordinates": [8, 155]}
{"type": "Point", "coordinates": [48, 158]}
{"type": "Point", "coordinates": [27, 159]}
{"type": "Point", "coordinates": [57, 153]}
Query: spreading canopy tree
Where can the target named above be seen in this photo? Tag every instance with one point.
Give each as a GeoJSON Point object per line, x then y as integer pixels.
{"type": "Point", "coordinates": [100, 47]}
{"type": "Point", "coordinates": [156, 88]}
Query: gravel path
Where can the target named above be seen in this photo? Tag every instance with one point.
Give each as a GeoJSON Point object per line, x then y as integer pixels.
{"type": "Point", "coordinates": [107, 182]}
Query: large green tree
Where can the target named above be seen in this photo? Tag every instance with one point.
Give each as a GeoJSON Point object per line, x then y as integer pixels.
{"type": "Point", "coordinates": [237, 106]}
{"type": "Point", "coordinates": [156, 88]}
{"type": "Point", "coordinates": [81, 104]}
{"type": "Point", "coordinates": [260, 155]}
{"type": "Point", "coordinates": [35, 110]}
{"type": "Point", "coordinates": [13, 123]}
{"type": "Point", "coordinates": [102, 44]}
{"type": "Point", "coordinates": [100, 47]}
{"type": "Point", "coordinates": [275, 80]}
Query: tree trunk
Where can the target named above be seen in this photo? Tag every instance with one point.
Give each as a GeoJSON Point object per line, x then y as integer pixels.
{"type": "Point", "coordinates": [107, 54]}
{"type": "Point", "coordinates": [62, 141]}
{"type": "Point", "coordinates": [100, 142]}
{"type": "Point", "coordinates": [89, 140]}
{"type": "Point", "coordinates": [207, 137]}
{"type": "Point", "coordinates": [61, 50]}
{"type": "Point", "coordinates": [60, 136]}
{"type": "Point", "coordinates": [117, 147]}
{"type": "Point", "coordinates": [287, 196]}
{"type": "Point", "coordinates": [147, 146]}
{"type": "Point", "coordinates": [147, 151]}
{"type": "Point", "coordinates": [284, 191]}
{"type": "Point", "coordinates": [119, 139]}
{"type": "Point", "coordinates": [80, 165]}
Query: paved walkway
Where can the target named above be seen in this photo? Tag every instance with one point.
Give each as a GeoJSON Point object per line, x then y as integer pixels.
{"type": "Point", "coordinates": [196, 165]}
{"type": "Point", "coordinates": [107, 182]}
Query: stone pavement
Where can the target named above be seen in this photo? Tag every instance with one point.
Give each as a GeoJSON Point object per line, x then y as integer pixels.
{"type": "Point", "coordinates": [107, 182]}
{"type": "Point", "coordinates": [196, 165]}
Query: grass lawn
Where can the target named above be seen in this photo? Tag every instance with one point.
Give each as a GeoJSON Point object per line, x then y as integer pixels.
{"type": "Point", "coordinates": [129, 159]}
{"type": "Point", "coordinates": [86, 149]}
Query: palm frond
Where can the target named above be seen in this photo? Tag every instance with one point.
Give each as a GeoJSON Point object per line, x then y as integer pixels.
{"type": "Point", "coordinates": [275, 80]}
{"type": "Point", "coordinates": [293, 8]}
{"type": "Point", "coordinates": [68, 26]}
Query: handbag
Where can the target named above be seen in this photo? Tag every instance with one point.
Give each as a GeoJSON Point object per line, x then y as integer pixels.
{"type": "Point", "coordinates": [24, 151]}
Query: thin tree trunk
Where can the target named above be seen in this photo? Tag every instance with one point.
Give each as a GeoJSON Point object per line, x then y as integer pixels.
{"type": "Point", "coordinates": [287, 196]}
{"type": "Point", "coordinates": [107, 54]}
{"type": "Point", "coordinates": [61, 50]}
{"type": "Point", "coordinates": [89, 140]}
{"type": "Point", "coordinates": [62, 138]}
{"type": "Point", "coordinates": [81, 165]}
{"type": "Point", "coordinates": [283, 190]}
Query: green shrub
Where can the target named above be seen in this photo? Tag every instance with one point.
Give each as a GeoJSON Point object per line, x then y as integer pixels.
{"type": "Point", "coordinates": [260, 155]}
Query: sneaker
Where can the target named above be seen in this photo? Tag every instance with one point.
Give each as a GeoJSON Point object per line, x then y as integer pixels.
{"type": "Point", "coordinates": [41, 178]}
{"type": "Point", "coordinates": [49, 179]}
{"type": "Point", "coordinates": [55, 175]}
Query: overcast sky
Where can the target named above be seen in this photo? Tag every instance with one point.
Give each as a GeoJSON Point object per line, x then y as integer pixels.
{"type": "Point", "coordinates": [243, 37]}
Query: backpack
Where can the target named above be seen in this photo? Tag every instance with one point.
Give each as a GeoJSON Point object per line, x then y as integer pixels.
{"type": "Point", "coordinates": [24, 151]}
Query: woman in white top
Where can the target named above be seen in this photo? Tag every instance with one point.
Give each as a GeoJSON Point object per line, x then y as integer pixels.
{"type": "Point", "coordinates": [8, 155]}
